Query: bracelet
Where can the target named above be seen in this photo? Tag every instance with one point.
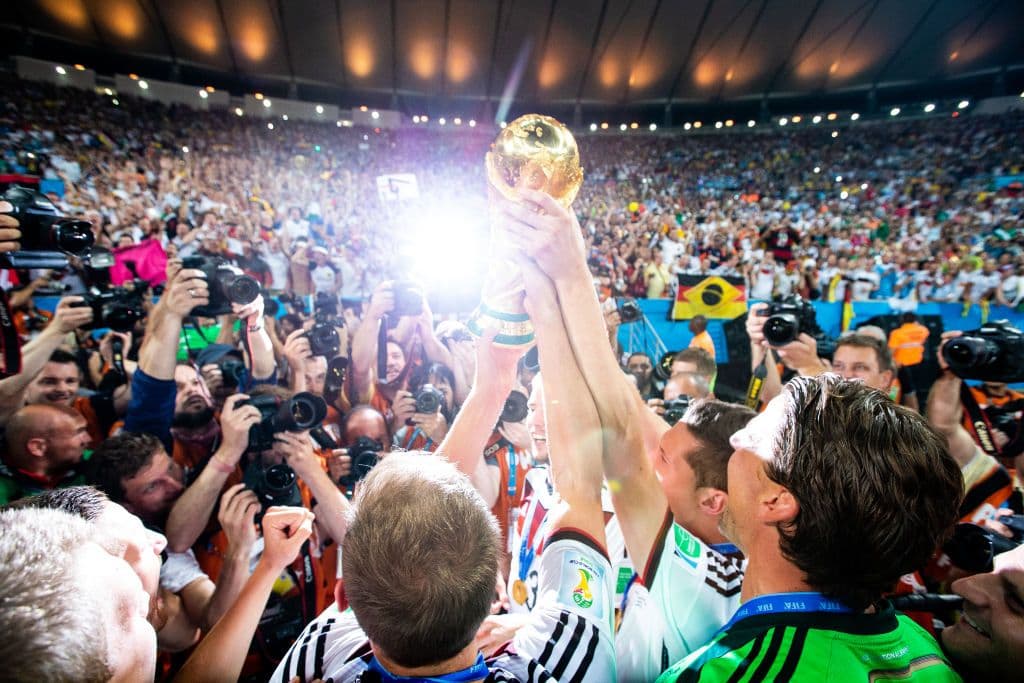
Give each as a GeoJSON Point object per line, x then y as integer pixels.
{"type": "Point", "coordinates": [256, 328]}
{"type": "Point", "coordinates": [220, 465]}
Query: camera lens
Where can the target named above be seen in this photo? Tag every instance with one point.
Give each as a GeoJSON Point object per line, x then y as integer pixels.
{"type": "Point", "coordinates": [72, 237]}
{"type": "Point", "coordinates": [781, 329]}
{"type": "Point", "coordinates": [515, 409]}
{"type": "Point", "coordinates": [243, 290]}
{"type": "Point", "coordinates": [968, 352]}
{"type": "Point", "coordinates": [304, 411]}
{"type": "Point", "coordinates": [278, 480]}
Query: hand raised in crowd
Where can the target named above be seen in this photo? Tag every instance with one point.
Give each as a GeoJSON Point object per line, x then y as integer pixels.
{"type": "Point", "coordinates": [339, 464]}
{"type": "Point", "coordinates": [946, 336]}
{"type": "Point", "coordinates": [188, 290]}
{"type": "Point", "coordinates": [9, 233]}
{"type": "Point", "coordinates": [296, 350]}
{"type": "Point", "coordinates": [403, 408]}
{"type": "Point", "coordinates": [755, 325]}
{"type": "Point", "coordinates": [434, 425]}
{"type": "Point", "coordinates": [801, 354]}
{"type": "Point", "coordinates": [250, 314]}
{"type": "Point", "coordinates": [235, 421]}
{"type": "Point", "coordinates": [285, 529]}
{"type": "Point", "coordinates": [70, 314]}
{"type": "Point", "coordinates": [382, 301]}
{"type": "Point", "coordinates": [297, 450]}
{"type": "Point", "coordinates": [237, 516]}
{"type": "Point", "coordinates": [107, 345]}
{"type": "Point", "coordinates": [546, 231]}
{"type": "Point", "coordinates": [174, 265]}
{"type": "Point", "coordinates": [496, 366]}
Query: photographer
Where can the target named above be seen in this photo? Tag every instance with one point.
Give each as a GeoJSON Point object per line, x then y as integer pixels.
{"type": "Point", "coordinates": [43, 450]}
{"type": "Point", "coordinates": [422, 414]}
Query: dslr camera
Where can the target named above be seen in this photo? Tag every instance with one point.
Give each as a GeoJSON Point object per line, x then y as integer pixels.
{"type": "Point", "coordinates": [364, 454]}
{"type": "Point", "coordinates": [227, 284]}
{"type": "Point", "coordinates": [118, 308]}
{"type": "Point", "coordinates": [46, 236]}
{"type": "Point", "coordinates": [409, 298]}
{"type": "Point", "coordinates": [274, 485]}
{"type": "Point", "coordinates": [629, 310]}
{"type": "Point", "coordinates": [788, 319]}
{"type": "Point", "coordinates": [515, 408]}
{"type": "Point", "coordinates": [992, 353]}
{"type": "Point", "coordinates": [302, 412]}
{"type": "Point", "coordinates": [973, 547]}
{"type": "Point", "coordinates": [675, 409]}
{"type": "Point", "coordinates": [429, 399]}
{"type": "Point", "coordinates": [323, 340]}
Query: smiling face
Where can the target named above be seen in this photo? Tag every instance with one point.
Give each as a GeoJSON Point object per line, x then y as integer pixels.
{"type": "Point", "coordinates": [988, 642]}
{"type": "Point", "coordinates": [57, 385]}
{"type": "Point", "coordinates": [193, 397]}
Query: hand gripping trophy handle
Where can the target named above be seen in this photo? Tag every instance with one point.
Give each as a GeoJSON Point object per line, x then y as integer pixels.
{"type": "Point", "coordinates": [539, 153]}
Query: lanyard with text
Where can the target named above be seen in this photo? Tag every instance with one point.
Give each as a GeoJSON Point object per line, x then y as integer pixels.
{"type": "Point", "coordinates": [778, 603]}
{"type": "Point", "coordinates": [477, 672]}
{"type": "Point", "coordinates": [512, 463]}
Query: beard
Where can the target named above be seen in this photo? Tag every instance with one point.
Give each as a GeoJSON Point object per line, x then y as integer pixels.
{"type": "Point", "coordinates": [192, 420]}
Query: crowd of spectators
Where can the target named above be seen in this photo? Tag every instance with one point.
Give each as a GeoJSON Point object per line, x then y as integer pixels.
{"type": "Point", "coordinates": [346, 487]}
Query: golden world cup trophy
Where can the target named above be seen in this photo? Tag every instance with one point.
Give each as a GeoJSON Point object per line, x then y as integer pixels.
{"type": "Point", "coordinates": [538, 153]}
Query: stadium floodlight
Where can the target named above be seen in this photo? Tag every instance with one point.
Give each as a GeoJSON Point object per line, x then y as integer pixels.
{"type": "Point", "coordinates": [817, 119]}
{"type": "Point", "coordinates": [203, 94]}
{"type": "Point", "coordinates": [79, 67]}
{"type": "Point", "coordinates": [653, 127]}
{"type": "Point", "coordinates": [854, 116]}
{"type": "Point", "coordinates": [622, 127]}
{"type": "Point", "coordinates": [441, 121]}
{"type": "Point", "coordinates": [270, 126]}
{"type": "Point", "coordinates": [929, 108]}
{"type": "Point", "coordinates": [267, 103]}
{"type": "Point", "coordinates": [472, 123]}
{"type": "Point", "coordinates": [797, 119]}
{"type": "Point", "coordinates": [697, 124]}
{"type": "Point", "coordinates": [258, 96]}
{"type": "Point", "coordinates": [184, 149]}
{"type": "Point", "coordinates": [61, 70]}
{"type": "Point", "coordinates": [863, 186]}
{"type": "Point", "coordinates": [963, 104]}
{"type": "Point", "coordinates": [839, 178]}
{"type": "Point", "coordinates": [751, 123]}
{"type": "Point", "coordinates": [424, 118]}
{"type": "Point", "coordinates": [729, 123]}
{"type": "Point", "coordinates": [457, 121]}
{"type": "Point", "coordinates": [319, 109]}
{"type": "Point", "coordinates": [835, 133]}
{"type": "Point", "coordinates": [416, 118]}
{"type": "Point", "coordinates": [504, 123]}
{"type": "Point", "coordinates": [375, 115]}
{"type": "Point", "coordinates": [604, 126]}
{"type": "Point", "coordinates": [783, 121]}
{"type": "Point", "coordinates": [634, 125]}
{"type": "Point", "coordinates": [108, 92]}
{"type": "Point", "coordinates": [593, 127]}
{"type": "Point", "coordinates": [895, 111]}
{"type": "Point", "coordinates": [817, 169]}
{"type": "Point", "coordinates": [238, 111]}
{"type": "Point", "coordinates": [115, 101]}
{"type": "Point", "coordinates": [718, 124]}
{"type": "Point", "coordinates": [687, 126]}
{"type": "Point", "coordinates": [339, 124]}
{"type": "Point", "coordinates": [844, 194]}
{"type": "Point", "coordinates": [284, 117]}
{"type": "Point", "coordinates": [144, 85]}
{"type": "Point", "coordinates": [833, 116]}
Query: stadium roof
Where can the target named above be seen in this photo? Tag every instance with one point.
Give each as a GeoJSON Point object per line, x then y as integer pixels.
{"type": "Point", "coordinates": [604, 55]}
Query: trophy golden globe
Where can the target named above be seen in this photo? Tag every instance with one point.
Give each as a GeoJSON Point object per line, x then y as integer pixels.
{"type": "Point", "coordinates": [535, 152]}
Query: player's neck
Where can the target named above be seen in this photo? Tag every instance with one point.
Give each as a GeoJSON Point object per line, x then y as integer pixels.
{"type": "Point", "coordinates": [463, 660]}
{"type": "Point", "coordinates": [768, 572]}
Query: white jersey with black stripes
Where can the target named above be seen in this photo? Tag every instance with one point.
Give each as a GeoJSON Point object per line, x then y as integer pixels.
{"type": "Point", "coordinates": [568, 637]}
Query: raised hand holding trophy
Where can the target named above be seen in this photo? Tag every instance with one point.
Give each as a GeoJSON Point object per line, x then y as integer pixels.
{"type": "Point", "coordinates": [534, 152]}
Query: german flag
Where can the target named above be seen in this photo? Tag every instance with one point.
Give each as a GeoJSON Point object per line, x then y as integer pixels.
{"type": "Point", "coordinates": [713, 297]}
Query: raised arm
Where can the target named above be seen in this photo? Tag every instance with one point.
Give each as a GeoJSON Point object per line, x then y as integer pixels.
{"type": "Point", "coordinates": [364, 343]}
{"type": "Point", "coordinates": [944, 411]}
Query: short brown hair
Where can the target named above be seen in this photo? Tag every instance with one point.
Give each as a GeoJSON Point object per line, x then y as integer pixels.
{"type": "Point", "coordinates": [864, 341]}
{"type": "Point", "coordinates": [81, 501]}
{"type": "Point", "coordinates": [877, 487]}
{"type": "Point", "coordinates": [420, 558]}
{"type": "Point", "coordinates": [700, 358]}
{"type": "Point", "coordinates": [118, 458]}
{"type": "Point", "coordinates": [711, 423]}
{"type": "Point", "coordinates": [52, 630]}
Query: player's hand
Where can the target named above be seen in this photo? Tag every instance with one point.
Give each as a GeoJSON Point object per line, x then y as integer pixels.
{"type": "Point", "coordinates": [285, 529]}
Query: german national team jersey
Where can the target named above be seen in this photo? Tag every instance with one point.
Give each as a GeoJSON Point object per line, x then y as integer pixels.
{"type": "Point", "coordinates": [530, 530]}
{"type": "Point", "coordinates": [568, 636]}
{"type": "Point", "coordinates": [688, 591]}
{"type": "Point", "coordinates": [817, 646]}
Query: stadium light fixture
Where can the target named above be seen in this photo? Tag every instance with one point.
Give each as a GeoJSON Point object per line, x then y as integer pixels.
{"type": "Point", "coordinates": [622, 127]}
{"type": "Point", "coordinates": [653, 127]}
{"type": "Point", "coordinates": [1022, 93]}
{"type": "Point", "coordinates": [267, 103]}
{"type": "Point", "coordinates": [416, 118]}
{"type": "Point", "coordinates": [108, 92]}
{"type": "Point", "coordinates": [144, 85]}
{"type": "Point", "coordinates": [258, 96]}
{"type": "Point", "coordinates": [751, 123]}
{"type": "Point", "coordinates": [817, 169]}
{"type": "Point", "coordinates": [210, 88]}
{"type": "Point", "coordinates": [797, 119]}
{"type": "Point", "coordinates": [963, 104]}
{"type": "Point", "coordinates": [895, 111]}
{"type": "Point", "coordinates": [115, 101]}
{"type": "Point", "coordinates": [134, 77]}
{"type": "Point", "coordinates": [833, 116]}
{"type": "Point", "coordinates": [783, 121]}
{"type": "Point", "coordinates": [854, 116]}
{"type": "Point", "coordinates": [441, 121]}
{"type": "Point", "coordinates": [687, 126]}
{"type": "Point", "coordinates": [634, 125]}
{"type": "Point", "coordinates": [284, 117]}
{"type": "Point", "coordinates": [457, 121]}
{"type": "Point", "coordinates": [835, 133]}
{"type": "Point", "coordinates": [817, 119]}
{"type": "Point", "coordinates": [363, 108]}
{"type": "Point", "coordinates": [729, 123]}
{"type": "Point", "coordinates": [203, 94]}
{"type": "Point", "coordinates": [472, 123]}
{"type": "Point", "coordinates": [593, 127]}
{"type": "Point", "coordinates": [424, 118]}
{"type": "Point", "coordinates": [697, 124]}
{"type": "Point", "coordinates": [184, 149]}
{"type": "Point", "coordinates": [270, 126]}
{"type": "Point", "coordinates": [863, 186]}
{"type": "Point", "coordinates": [718, 124]}
{"type": "Point", "coordinates": [61, 70]}
{"type": "Point", "coordinates": [238, 111]}
{"type": "Point", "coordinates": [504, 123]}
{"type": "Point", "coordinates": [929, 108]}
{"type": "Point", "coordinates": [79, 67]}
{"type": "Point", "coordinates": [604, 126]}
{"type": "Point", "coordinates": [844, 194]}
{"type": "Point", "coordinates": [319, 109]}
{"type": "Point", "coordinates": [375, 115]}
{"type": "Point", "coordinates": [839, 178]}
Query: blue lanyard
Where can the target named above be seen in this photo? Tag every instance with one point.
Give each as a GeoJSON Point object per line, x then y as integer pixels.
{"type": "Point", "coordinates": [478, 671]}
{"type": "Point", "coordinates": [724, 548]}
{"type": "Point", "coordinates": [778, 603]}
{"type": "Point", "coordinates": [511, 472]}
{"type": "Point", "coordinates": [412, 439]}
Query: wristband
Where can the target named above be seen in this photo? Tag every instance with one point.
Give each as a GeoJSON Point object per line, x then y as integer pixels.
{"type": "Point", "coordinates": [220, 465]}
{"type": "Point", "coordinates": [256, 328]}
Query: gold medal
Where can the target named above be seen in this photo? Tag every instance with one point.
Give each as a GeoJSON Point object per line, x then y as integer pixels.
{"type": "Point", "coordinates": [519, 591]}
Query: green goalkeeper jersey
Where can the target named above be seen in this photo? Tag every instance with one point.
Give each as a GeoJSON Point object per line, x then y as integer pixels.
{"type": "Point", "coordinates": [817, 646]}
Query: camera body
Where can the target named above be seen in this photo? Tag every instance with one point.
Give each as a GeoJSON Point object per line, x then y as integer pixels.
{"type": "Point", "coordinates": [973, 547]}
{"type": "Point", "coordinates": [323, 340]}
{"type": "Point", "coordinates": [227, 284]}
{"type": "Point", "coordinates": [629, 310]}
{"type": "Point", "coordinates": [788, 319]}
{"type": "Point", "coordinates": [409, 299]}
{"type": "Point", "coordinates": [232, 370]}
{"type": "Point", "coordinates": [429, 399]}
{"type": "Point", "coordinates": [992, 353]}
{"type": "Point", "coordinates": [675, 409]}
{"type": "Point", "coordinates": [118, 308]}
{"type": "Point", "coordinates": [515, 408]}
{"type": "Point", "coordinates": [364, 454]}
{"type": "Point", "coordinates": [273, 485]}
{"type": "Point", "coordinates": [46, 236]}
{"type": "Point", "coordinates": [299, 413]}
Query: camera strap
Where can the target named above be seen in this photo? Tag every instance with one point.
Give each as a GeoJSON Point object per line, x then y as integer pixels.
{"type": "Point", "coordinates": [10, 344]}
{"type": "Point", "coordinates": [979, 421]}
{"type": "Point", "coordinates": [756, 385]}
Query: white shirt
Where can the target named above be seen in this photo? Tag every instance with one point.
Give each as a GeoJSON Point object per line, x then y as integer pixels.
{"type": "Point", "coordinates": [323, 279]}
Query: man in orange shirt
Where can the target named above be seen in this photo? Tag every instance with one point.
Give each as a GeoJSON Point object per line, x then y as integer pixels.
{"type": "Point", "coordinates": [701, 338]}
{"type": "Point", "coordinates": [907, 341]}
